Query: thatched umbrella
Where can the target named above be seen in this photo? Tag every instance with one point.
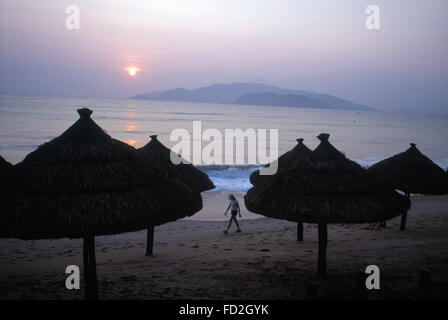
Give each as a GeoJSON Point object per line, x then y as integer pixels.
{"type": "Point", "coordinates": [155, 152]}
{"type": "Point", "coordinates": [83, 184]}
{"type": "Point", "coordinates": [411, 172]}
{"type": "Point", "coordinates": [323, 188]}
{"type": "Point", "coordinates": [4, 165]}
{"type": "Point", "coordinates": [5, 171]}
{"type": "Point", "coordinates": [285, 160]}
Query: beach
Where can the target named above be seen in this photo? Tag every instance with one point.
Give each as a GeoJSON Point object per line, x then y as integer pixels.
{"type": "Point", "coordinates": [194, 259]}
{"type": "Point", "coordinates": [214, 158]}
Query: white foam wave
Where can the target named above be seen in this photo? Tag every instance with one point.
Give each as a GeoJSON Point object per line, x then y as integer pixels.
{"type": "Point", "coordinates": [236, 178]}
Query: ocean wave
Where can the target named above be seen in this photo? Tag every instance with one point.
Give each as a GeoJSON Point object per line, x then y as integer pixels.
{"type": "Point", "coordinates": [230, 178]}
{"type": "Point", "coordinates": [235, 178]}
{"type": "Point", "coordinates": [225, 167]}
{"type": "Point", "coordinates": [369, 161]}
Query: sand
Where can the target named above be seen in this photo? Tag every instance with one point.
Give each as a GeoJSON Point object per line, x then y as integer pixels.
{"type": "Point", "coordinates": [196, 260]}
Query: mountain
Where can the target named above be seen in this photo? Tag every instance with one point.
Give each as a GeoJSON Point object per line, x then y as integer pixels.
{"type": "Point", "coordinates": [229, 93]}
{"type": "Point", "coordinates": [216, 93]}
{"type": "Point", "coordinates": [287, 100]}
{"type": "Point", "coordinates": [339, 103]}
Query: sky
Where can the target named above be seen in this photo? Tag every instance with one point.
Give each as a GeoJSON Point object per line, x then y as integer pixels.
{"type": "Point", "coordinates": [319, 45]}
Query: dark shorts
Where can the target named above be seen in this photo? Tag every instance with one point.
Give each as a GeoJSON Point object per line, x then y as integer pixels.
{"type": "Point", "coordinates": [234, 213]}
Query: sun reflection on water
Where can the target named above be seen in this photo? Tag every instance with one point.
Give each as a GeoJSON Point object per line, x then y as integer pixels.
{"type": "Point", "coordinates": [132, 142]}
{"type": "Point", "coordinates": [131, 126]}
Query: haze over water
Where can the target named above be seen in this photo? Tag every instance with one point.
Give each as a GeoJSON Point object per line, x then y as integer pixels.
{"type": "Point", "coordinates": [27, 122]}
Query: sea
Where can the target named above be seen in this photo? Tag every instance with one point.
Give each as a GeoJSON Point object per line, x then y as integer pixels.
{"type": "Point", "coordinates": [364, 136]}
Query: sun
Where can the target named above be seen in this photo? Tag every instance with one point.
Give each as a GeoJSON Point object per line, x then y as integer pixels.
{"type": "Point", "coordinates": [132, 71]}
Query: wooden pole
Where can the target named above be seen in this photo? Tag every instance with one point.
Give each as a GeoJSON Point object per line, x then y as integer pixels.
{"type": "Point", "coordinates": [404, 215]}
{"type": "Point", "coordinates": [299, 231]}
{"type": "Point", "coordinates": [150, 240]}
{"type": "Point", "coordinates": [91, 283]}
{"type": "Point", "coordinates": [322, 254]}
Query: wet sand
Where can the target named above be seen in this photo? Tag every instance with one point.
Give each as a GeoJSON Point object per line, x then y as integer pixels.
{"type": "Point", "coordinates": [196, 260]}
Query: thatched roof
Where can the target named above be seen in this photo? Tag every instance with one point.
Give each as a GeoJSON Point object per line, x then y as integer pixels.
{"type": "Point", "coordinates": [411, 172]}
{"type": "Point", "coordinates": [155, 152]}
{"type": "Point", "coordinates": [86, 183]}
{"type": "Point", "coordinates": [4, 165]}
{"type": "Point", "coordinates": [325, 187]}
{"type": "Point", "coordinates": [285, 160]}
{"type": "Point", "coordinates": [5, 177]}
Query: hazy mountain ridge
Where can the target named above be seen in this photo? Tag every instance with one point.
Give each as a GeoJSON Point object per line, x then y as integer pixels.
{"type": "Point", "coordinates": [287, 100]}
{"type": "Point", "coordinates": [231, 93]}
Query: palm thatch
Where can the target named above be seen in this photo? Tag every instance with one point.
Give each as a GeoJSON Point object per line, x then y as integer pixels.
{"type": "Point", "coordinates": [323, 188]}
{"type": "Point", "coordinates": [4, 165]}
{"type": "Point", "coordinates": [5, 168]}
{"type": "Point", "coordinates": [5, 178]}
{"type": "Point", "coordinates": [154, 151]}
{"type": "Point", "coordinates": [84, 183]}
{"type": "Point", "coordinates": [411, 172]}
{"type": "Point", "coordinates": [284, 161]}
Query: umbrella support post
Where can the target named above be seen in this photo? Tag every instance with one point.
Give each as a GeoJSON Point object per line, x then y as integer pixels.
{"type": "Point", "coordinates": [150, 240]}
{"type": "Point", "coordinates": [322, 255]}
{"type": "Point", "coordinates": [404, 216]}
{"type": "Point", "coordinates": [299, 231]}
{"type": "Point", "coordinates": [91, 283]}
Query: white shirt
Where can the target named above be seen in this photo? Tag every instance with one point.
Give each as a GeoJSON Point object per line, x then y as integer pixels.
{"type": "Point", "coordinates": [234, 205]}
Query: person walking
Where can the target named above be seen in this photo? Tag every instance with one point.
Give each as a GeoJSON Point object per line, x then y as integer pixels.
{"type": "Point", "coordinates": [235, 210]}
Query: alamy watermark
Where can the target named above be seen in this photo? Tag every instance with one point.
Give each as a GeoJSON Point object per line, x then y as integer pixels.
{"type": "Point", "coordinates": [220, 147]}
{"type": "Point", "coordinates": [72, 282]}
{"type": "Point", "coordinates": [72, 21]}
{"type": "Point", "coordinates": [373, 18]}
{"type": "Point", "coordinates": [373, 280]}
